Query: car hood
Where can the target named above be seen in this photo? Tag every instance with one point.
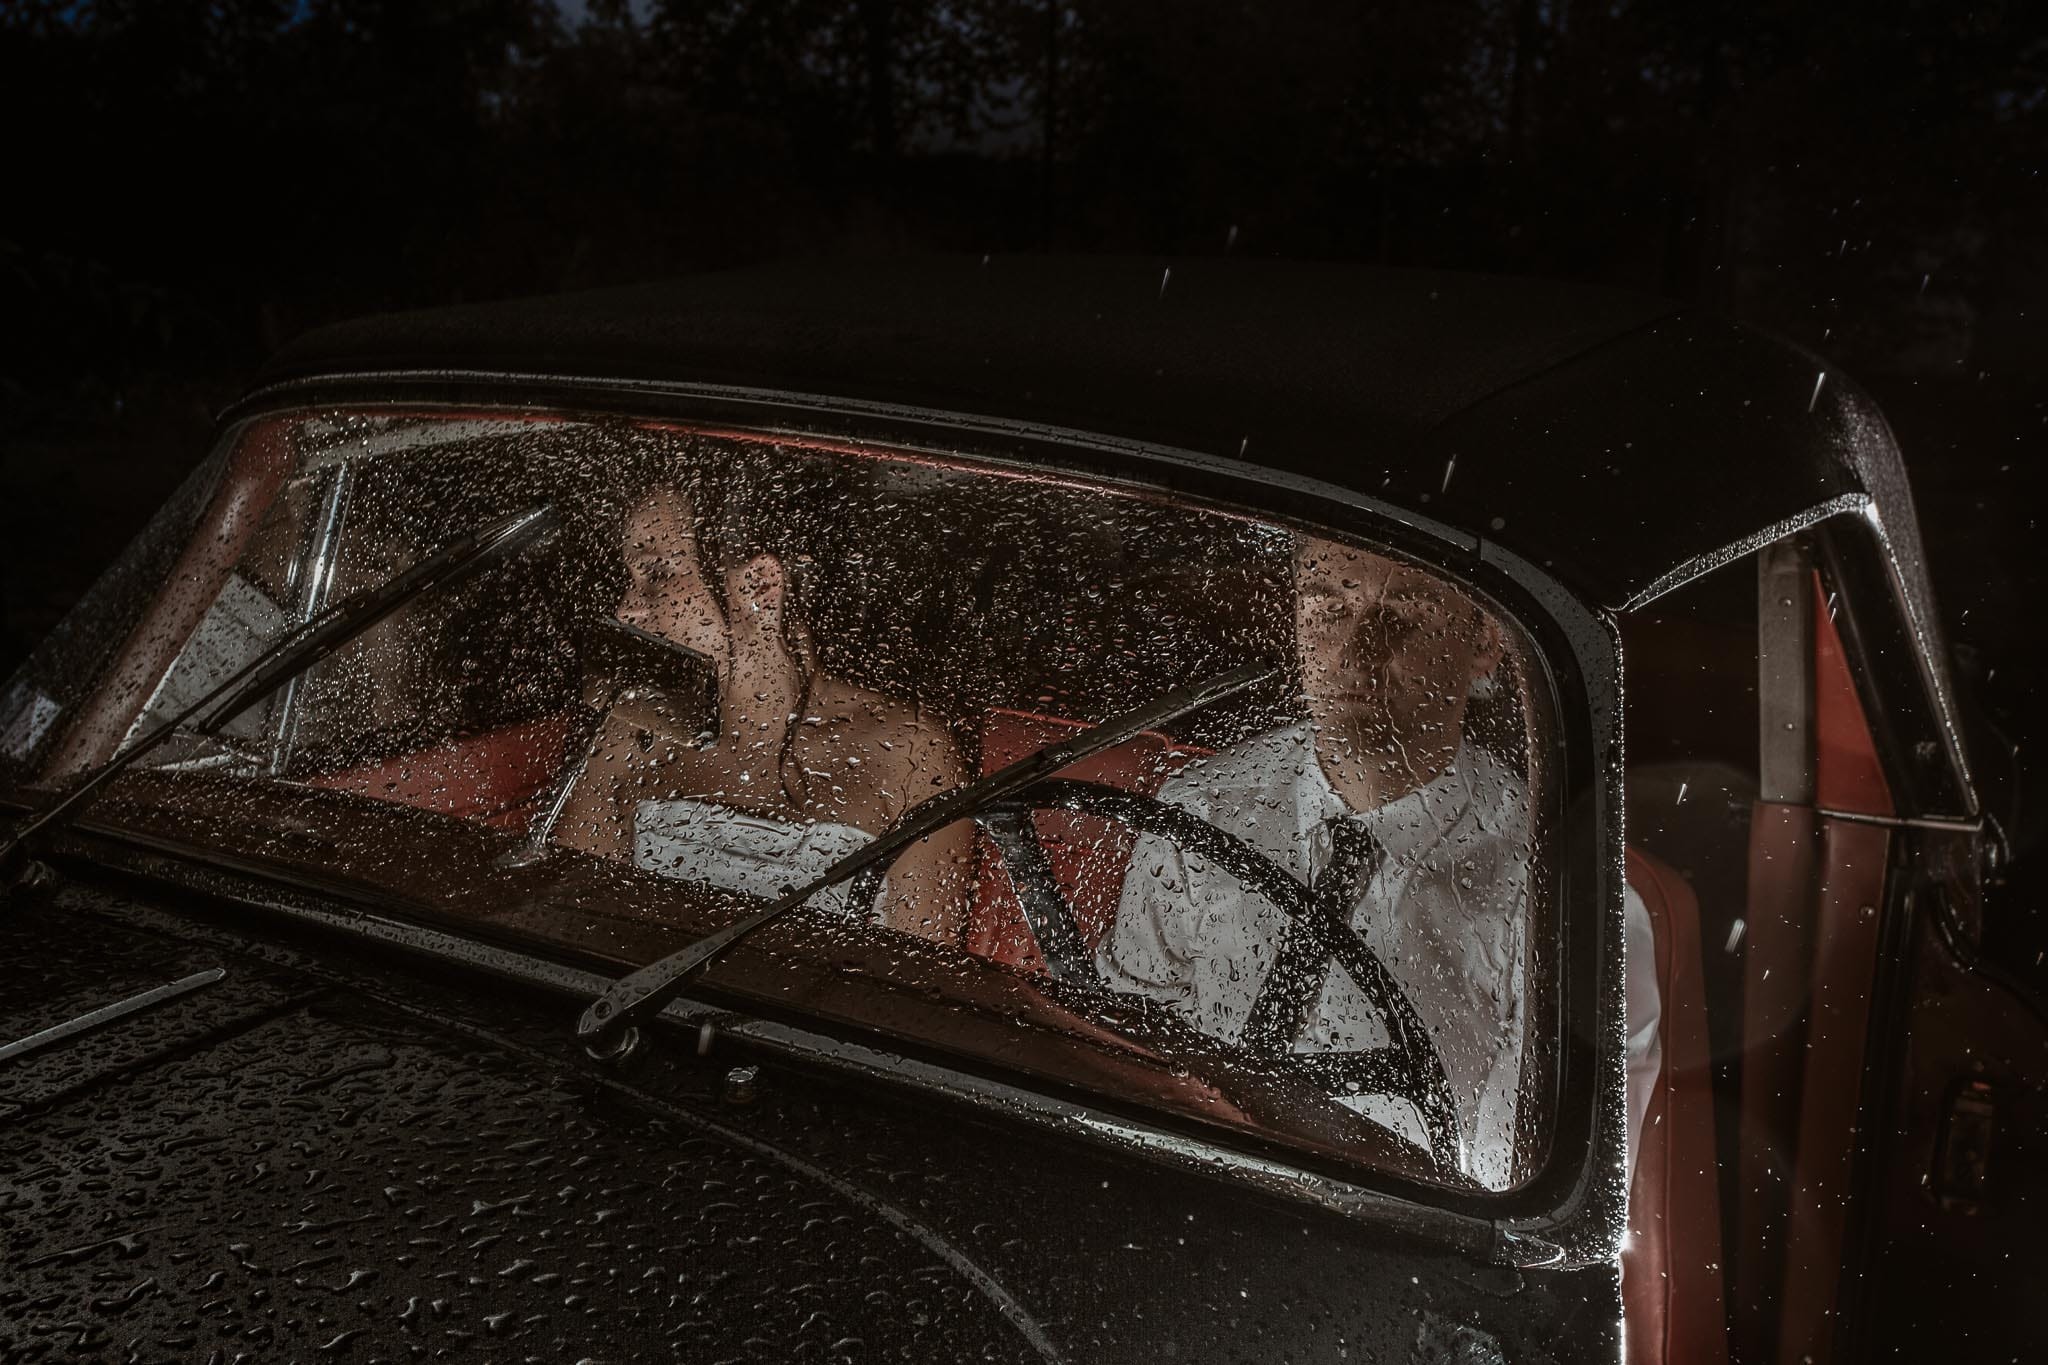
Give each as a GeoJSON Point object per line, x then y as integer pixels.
{"type": "Point", "coordinates": [332, 1154]}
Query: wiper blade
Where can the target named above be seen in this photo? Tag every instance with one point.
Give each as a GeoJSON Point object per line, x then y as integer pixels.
{"type": "Point", "coordinates": [612, 1017]}
{"type": "Point", "coordinates": [292, 654]}
{"type": "Point", "coordinates": [659, 645]}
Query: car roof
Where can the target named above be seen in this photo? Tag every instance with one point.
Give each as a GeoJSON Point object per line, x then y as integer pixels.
{"type": "Point", "coordinates": [1626, 443]}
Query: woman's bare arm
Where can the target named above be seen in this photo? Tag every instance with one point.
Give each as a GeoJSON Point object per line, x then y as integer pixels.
{"type": "Point", "coordinates": [932, 881]}
{"type": "Point", "coordinates": [881, 759]}
{"type": "Point", "coordinates": [636, 756]}
{"type": "Point", "coordinates": [931, 884]}
{"type": "Point", "coordinates": [598, 815]}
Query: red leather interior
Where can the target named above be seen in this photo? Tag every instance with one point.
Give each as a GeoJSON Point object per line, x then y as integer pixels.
{"type": "Point", "coordinates": [493, 778]}
{"type": "Point", "coordinates": [1778, 948]}
{"type": "Point", "coordinates": [1853, 861]}
{"type": "Point", "coordinates": [1671, 1263]}
{"type": "Point", "coordinates": [1817, 885]}
{"type": "Point", "coordinates": [1088, 855]}
{"type": "Point", "coordinates": [1847, 774]}
{"type": "Point", "coordinates": [1854, 856]}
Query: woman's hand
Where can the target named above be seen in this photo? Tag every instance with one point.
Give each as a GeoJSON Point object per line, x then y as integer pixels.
{"type": "Point", "coordinates": [761, 681]}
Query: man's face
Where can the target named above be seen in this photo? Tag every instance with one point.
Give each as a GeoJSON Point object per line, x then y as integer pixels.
{"type": "Point", "coordinates": [1387, 655]}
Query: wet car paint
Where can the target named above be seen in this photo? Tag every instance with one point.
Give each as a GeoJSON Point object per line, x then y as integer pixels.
{"type": "Point", "coordinates": [336, 1154]}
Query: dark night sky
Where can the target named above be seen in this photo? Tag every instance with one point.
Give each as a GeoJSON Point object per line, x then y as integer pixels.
{"type": "Point", "coordinates": [193, 181]}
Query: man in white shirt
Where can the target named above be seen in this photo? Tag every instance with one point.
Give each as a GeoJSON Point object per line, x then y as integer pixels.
{"type": "Point", "coordinates": [1429, 835]}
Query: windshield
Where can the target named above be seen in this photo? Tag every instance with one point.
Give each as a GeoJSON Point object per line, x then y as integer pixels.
{"type": "Point", "coordinates": [1319, 911]}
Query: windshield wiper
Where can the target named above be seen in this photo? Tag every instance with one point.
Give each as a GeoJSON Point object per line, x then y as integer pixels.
{"type": "Point", "coordinates": [608, 1027]}
{"type": "Point", "coordinates": [291, 654]}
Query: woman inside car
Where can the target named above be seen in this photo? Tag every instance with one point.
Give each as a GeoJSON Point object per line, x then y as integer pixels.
{"type": "Point", "coordinates": [801, 766]}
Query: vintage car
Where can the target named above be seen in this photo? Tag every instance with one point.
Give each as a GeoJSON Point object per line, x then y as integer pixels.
{"type": "Point", "coordinates": [1018, 809]}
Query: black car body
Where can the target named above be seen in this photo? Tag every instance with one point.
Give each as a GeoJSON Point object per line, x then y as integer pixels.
{"type": "Point", "coordinates": [362, 1125]}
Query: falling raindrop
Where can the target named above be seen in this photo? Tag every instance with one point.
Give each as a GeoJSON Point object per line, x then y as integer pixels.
{"type": "Point", "coordinates": [1814, 398]}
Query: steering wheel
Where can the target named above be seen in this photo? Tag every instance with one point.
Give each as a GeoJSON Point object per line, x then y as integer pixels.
{"type": "Point", "coordinates": [1318, 934]}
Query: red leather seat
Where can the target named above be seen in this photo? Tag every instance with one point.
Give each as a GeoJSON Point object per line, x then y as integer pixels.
{"type": "Point", "coordinates": [1088, 855]}
{"type": "Point", "coordinates": [1671, 1281]}
{"type": "Point", "coordinates": [493, 778]}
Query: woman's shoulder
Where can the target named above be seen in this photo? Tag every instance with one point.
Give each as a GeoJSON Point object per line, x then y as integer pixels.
{"type": "Point", "coordinates": [863, 714]}
{"type": "Point", "coordinates": [873, 743]}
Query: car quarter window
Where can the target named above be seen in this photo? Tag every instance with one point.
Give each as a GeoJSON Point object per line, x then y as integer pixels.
{"type": "Point", "coordinates": [1322, 910]}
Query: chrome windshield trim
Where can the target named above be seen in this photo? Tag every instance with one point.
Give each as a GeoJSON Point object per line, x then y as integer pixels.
{"type": "Point", "coordinates": [312, 575]}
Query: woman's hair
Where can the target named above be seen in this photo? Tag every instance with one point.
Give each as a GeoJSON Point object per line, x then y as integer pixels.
{"type": "Point", "coordinates": [743, 502]}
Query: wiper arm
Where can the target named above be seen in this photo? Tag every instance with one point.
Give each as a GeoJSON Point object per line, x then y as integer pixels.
{"type": "Point", "coordinates": [291, 654]}
{"type": "Point", "coordinates": [647, 639]}
{"type": "Point", "coordinates": [608, 1027]}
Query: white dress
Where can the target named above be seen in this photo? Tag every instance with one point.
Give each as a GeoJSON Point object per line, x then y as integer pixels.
{"type": "Point", "coordinates": [701, 841]}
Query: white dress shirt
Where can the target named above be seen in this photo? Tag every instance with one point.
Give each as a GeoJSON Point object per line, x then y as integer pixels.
{"type": "Point", "coordinates": [1446, 912]}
